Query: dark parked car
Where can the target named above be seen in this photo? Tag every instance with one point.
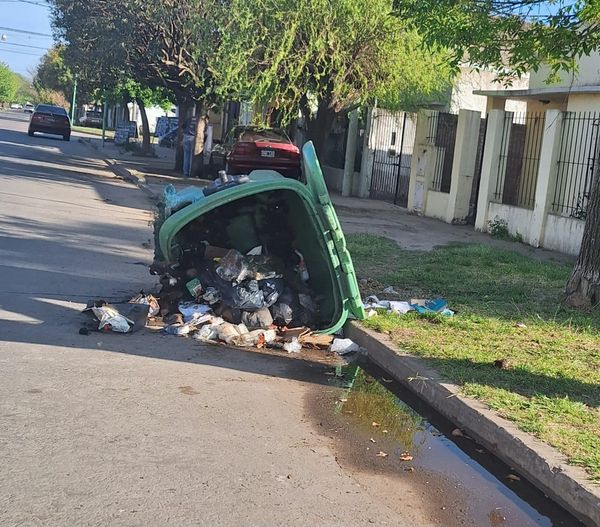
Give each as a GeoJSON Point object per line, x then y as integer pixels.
{"type": "Point", "coordinates": [50, 120]}
{"type": "Point", "coordinates": [248, 148]}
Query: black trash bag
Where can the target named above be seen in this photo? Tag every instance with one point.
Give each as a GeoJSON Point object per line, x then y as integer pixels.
{"type": "Point", "coordinates": [285, 309]}
{"type": "Point", "coordinates": [249, 295]}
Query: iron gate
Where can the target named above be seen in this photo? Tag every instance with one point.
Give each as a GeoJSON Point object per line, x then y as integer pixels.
{"type": "Point", "coordinates": [392, 140]}
{"type": "Point", "coordinates": [477, 175]}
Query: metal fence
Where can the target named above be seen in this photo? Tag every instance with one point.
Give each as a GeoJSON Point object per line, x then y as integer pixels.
{"type": "Point", "coordinates": [577, 156]}
{"type": "Point", "coordinates": [442, 134]}
{"type": "Point", "coordinates": [519, 158]}
{"type": "Point", "coordinates": [392, 139]}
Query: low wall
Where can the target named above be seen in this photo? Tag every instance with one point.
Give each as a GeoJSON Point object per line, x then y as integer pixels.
{"type": "Point", "coordinates": [518, 218]}
{"type": "Point", "coordinates": [563, 234]}
{"type": "Point", "coordinates": [334, 177]}
{"type": "Point", "coordinates": [436, 204]}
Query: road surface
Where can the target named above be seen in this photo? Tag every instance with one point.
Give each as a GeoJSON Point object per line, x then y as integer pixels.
{"type": "Point", "coordinates": [144, 429]}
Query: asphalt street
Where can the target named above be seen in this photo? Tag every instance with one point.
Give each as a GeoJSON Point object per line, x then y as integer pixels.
{"type": "Point", "coordinates": [145, 429]}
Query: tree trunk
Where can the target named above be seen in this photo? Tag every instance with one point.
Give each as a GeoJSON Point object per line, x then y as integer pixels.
{"type": "Point", "coordinates": [146, 140]}
{"type": "Point", "coordinates": [318, 127]}
{"type": "Point", "coordinates": [201, 123]}
{"type": "Point", "coordinates": [583, 288]}
{"type": "Point", "coordinates": [184, 115]}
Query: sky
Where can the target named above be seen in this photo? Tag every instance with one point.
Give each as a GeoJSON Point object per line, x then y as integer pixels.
{"type": "Point", "coordinates": [25, 15]}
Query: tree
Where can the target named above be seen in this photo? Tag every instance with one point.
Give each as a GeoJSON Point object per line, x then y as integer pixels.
{"type": "Point", "coordinates": [514, 37]}
{"type": "Point", "coordinates": [160, 44]}
{"type": "Point", "coordinates": [8, 84]}
{"type": "Point", "coordinates": [53, 76]}
{"type": "Point", "coordinates": [325, 56]}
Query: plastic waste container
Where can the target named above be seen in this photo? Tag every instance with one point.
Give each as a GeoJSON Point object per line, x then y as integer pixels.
{"type": "Point", "coordinates": [265, 204]}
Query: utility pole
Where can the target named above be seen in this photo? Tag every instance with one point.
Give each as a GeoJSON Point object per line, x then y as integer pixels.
{"type": "Point", "coordinates": [74, 100]}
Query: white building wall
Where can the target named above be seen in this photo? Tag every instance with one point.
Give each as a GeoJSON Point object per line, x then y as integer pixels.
{"type": "Point", "coordinates": [563, 234]}
{"type": "Point", "coordinates": [517, 218]}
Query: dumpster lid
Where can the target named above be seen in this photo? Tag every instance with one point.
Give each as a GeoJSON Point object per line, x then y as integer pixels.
{"type": "Point", "coordinates": [337, 246]}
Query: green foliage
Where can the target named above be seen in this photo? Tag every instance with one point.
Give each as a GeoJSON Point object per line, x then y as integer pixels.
{"type": "Point", "coordinates": [8, 84]}
{"type": "Point", "coordinates": [302, 53]}
{"type": "Point", "coordinates": [53, 75]}
{"type": "Point", "coordinates": [498, 228]}
{"type": "Point", "coordinates": [510, 36]}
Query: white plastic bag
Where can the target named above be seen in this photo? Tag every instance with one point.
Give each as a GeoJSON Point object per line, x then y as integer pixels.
{"type": "Point", "coordinates": [344, 346]}
{"type": "Point", "coordinates": [293, 346]}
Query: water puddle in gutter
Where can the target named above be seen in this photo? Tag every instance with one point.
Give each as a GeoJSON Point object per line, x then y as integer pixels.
{"type": "Point", "coordinates": [393, 432]}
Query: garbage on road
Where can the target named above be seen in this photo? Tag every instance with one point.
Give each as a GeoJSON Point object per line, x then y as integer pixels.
{"type": "Point", "coordinates": [124, 317]}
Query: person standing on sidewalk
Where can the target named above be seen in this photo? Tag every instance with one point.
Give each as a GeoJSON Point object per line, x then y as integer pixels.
{"type": "Point", "coordinates": [189, 136]}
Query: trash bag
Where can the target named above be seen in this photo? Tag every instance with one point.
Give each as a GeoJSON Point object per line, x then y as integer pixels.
{"type": "Point", "coordinates": [174, 200]}
{"type": "Point", "coordinates": [260, 318]}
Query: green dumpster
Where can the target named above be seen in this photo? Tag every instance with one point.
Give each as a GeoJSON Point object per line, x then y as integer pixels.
{"type": "Point", "coordinates": [309, 216]}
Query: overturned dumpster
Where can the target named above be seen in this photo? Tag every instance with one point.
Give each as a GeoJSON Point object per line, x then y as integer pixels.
{"type": "Point", "coordinates": [262, 251]}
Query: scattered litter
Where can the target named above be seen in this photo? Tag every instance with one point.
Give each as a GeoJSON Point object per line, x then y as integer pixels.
{"type": "Point", "coordinates": [293, 346]}
{"type": "Point", "coordinates": [409, 469]}
{"type": "Point", "coordinates": [316, 340]}
{"type": "Point", "coordinates": [513, 477]}
{"type": "Point", "coordinates": [111, 320]}
{"type": "Point", "coordinates": [384, 431]}
{"type": "Point", "coordinates": [149, 300]}
{"type": "Point", "coordinates": [344, 346]}
{"type": "Point", "coordinates": [381, 454]}
{"type": "Point", "coordinates": [227, 332]}
{"type": "Point", "coordinates": [374, 424]}
{"type": "Point", "coordinates": [372, 440]}
{"type": "Point", "coordinates": [191, 310]}
{"type": "Point", "coordinates": [457, 432]}
{"type": "Point", "coordinates": [194, 286]}
{"type": "Point", "coordinates": [423, 306]}
{"type": "Point", "coordinates": [390, 291]}
{"type": "Point", "coordinates": [405, 456]}
{"type": "Point", "coordinates": [520, 325]}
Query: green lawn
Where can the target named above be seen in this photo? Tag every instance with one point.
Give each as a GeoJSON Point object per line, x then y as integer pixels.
{"type": "Point", "coordinates": [507, 307]}
{"type": "Point", "coordinates": [93, 131]}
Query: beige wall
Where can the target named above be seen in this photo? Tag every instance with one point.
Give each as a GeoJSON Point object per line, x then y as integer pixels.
{"type": "Point", "coordinates": [471, 79]}
{"type": "Point", "coordinates": [588, 74]}
{"type": "Point", "coordinates": [589, 102]}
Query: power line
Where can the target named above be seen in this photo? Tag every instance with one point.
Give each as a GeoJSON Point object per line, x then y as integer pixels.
{"type": "Point", "coordinates": [22, 45]}
{"type": "Point", "coordinates": [21, 52]}
{"type": "Point", "coordinates": [41, 4]}
{"type": "Point", "coordinates": [25, 32]}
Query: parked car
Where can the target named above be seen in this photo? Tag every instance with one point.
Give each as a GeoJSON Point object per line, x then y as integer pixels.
{"type": "Point", "coordinates": [28, 108]}
{"type": "Point", "coordinates": [16, 106]}
{"type": "Point", "coordinates": [248, 148]}
{"type": "Point", "coordinates": [92, 118]}
{"type": "Point", "coordinates": [50, 120]}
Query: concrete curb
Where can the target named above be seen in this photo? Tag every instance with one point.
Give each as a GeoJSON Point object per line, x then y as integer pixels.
{"type": "Point", "coordinates": [132, 176]}
{"type": "Point", "coordinates": [541, 464]}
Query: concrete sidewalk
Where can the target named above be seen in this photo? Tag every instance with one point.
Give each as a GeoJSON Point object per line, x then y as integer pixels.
{"type": "Point", "coordinates": [364, 216]}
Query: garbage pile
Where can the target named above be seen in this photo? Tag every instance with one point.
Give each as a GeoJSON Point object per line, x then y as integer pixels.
{"type": "Point", "coordinates": [216, 294]}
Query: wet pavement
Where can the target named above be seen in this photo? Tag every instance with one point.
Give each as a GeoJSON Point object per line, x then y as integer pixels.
{"type": "Point", "coordinates": [373, 429]}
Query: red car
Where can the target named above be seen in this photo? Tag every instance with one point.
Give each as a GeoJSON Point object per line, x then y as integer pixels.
{"type": "Point", "coordinates": [248, 148]}
{"type": "Point", "coordinates": [50, 120]}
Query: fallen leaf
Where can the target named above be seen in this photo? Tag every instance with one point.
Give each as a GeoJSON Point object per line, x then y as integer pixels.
{"type": "Point", "coordinates": [381, 454]}
{"type": "Point", "coordinates": [405, 456]}
{"type": "Point", "coordinates": [375, 424]}
{"type": "Point", "coordinates": [457, 432]}
{"type": "Point", "coordinates": [513, 477]}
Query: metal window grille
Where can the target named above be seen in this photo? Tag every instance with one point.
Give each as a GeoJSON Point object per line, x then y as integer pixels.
{"type": "Point", "coordinates": [577, 155]}
{"type": "Point", "coordinates": [519, 159]}
{"type": "Point", "coordinates": [442, 135]}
